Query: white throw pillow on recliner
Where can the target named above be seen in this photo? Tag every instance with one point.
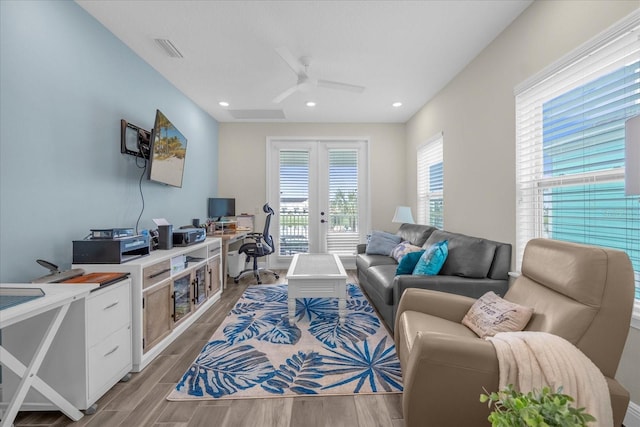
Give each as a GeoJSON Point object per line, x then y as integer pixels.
{"type": "Point", "coordinates": [491, 314]}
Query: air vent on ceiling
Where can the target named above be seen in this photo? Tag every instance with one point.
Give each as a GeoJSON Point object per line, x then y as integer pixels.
{"type": "Point", "coordinates": [257, 114]}
{"type": "Point", "coordinates": [169, 48]}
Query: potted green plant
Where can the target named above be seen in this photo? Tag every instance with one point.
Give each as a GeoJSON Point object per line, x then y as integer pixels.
{"type": "Point", "coordinates": [544, 408]}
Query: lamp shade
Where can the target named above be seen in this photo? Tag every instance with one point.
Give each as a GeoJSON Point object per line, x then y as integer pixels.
{"type": "Point", "coordinates": [403, 215]}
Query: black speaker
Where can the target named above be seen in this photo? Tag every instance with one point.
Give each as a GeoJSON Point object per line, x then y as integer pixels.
{"type": "Point", "coordinates": [165, 236]}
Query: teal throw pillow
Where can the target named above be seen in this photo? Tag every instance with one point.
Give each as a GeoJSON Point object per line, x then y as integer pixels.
{"type": "Point", "coordinates": [408, 262]}
{"type": "Point", "coordinates": [432, 259]}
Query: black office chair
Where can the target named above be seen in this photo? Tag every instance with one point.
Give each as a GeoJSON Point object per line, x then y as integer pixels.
{"type": "Point", "coordinates": [261, 246]}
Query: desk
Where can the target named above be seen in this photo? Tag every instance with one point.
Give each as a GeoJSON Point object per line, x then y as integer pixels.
{"type": "Point", "coordinates": [230, 241]}
{"type": "Point", "coordinates": [57, 298]}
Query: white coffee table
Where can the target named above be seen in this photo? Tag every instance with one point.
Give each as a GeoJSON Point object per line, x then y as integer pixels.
{"type": "Point", "coordinates": [316, 276]}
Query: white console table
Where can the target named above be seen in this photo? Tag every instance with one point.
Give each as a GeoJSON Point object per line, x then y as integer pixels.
{"type": "Point", "coordinates": [57, 299]}
{"type": "Point", "coordinates": [170, 289]}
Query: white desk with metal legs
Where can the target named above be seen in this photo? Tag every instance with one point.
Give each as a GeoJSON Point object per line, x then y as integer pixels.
{"type": "Point", "coordinates": [57, 298]}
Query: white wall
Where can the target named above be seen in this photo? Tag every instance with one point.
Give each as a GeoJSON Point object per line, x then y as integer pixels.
{"type": "Point", "coordinates": [242, 168]}
{"type": "Point", "coordinates": [476, 112]}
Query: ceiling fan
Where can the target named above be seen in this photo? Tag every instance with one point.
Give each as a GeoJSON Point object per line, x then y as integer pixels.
{"type": "Point", "coordinates": [301, 68]}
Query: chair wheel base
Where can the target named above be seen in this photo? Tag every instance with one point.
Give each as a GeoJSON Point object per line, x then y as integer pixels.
{"type": "Point", "coordinates": [236, 281]}
{"type": "Point", "coordinates": [277, 276]}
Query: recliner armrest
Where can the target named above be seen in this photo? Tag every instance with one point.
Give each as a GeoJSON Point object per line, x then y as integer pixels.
{"type": "Point", "coordinates": [444, 378]}
{"type": "Point", "coordinates": [441, 304]}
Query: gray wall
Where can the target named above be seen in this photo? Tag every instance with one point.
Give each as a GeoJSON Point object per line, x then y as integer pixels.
{"type": "Point", "coordinates": [476, 112]}
{"type": "Point", "coordinates": [65, 83]}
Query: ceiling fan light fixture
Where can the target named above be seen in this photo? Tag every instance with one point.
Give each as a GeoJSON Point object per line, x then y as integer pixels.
{"type": "Point", "coordinates": [396, 104]}
{"type": "Point", "coordinates": [223, 103]}
{"type": "Point", "coordinates": [310, 104]}
{"type": "Point", "coordinates": [300, 66]}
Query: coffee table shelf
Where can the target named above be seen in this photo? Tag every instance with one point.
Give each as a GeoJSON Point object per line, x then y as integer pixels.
{"type": "Point", "coordinates": [316, 276]}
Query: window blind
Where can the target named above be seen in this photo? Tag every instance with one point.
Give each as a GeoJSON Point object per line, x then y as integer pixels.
{"type": "Point", "coordinates": [342, 232]}
{"type": "Point", "coordinates": [570, 147]}
{"type": "Point", "coordinates": [294, 202]}
{"type": "Point", "coordinates": [430, 186]}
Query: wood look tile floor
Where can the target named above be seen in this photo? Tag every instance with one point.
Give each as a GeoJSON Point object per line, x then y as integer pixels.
{"type": "Point", "coordinates": [141, 401]}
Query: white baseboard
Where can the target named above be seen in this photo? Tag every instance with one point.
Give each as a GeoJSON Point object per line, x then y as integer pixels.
{"type": "Point", "coordinates": [632, 419]}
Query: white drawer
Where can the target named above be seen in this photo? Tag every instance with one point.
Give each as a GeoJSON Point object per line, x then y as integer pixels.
{"type": "Point", "coordinates": [109, 361]}
{"type": "Point", "coordinates": [108, 310]}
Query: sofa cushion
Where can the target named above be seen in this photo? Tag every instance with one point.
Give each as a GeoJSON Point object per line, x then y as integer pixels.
{"type": "Point", "coordinates": [380, 278]}
{"type": "Point", "coordinates": [382, 243]}
{"type": "Point", "coordinates": [402, 249]}
{"type": "Point", "coordinates": [468, 256]}
{"type": "Point", "coordinates": [417, 234]}
{"type": "Point", "coordinates": [364, 261]}
{"type": "Point", "coordinates": [432, 259]}
{"type": "Point", "coordinates": [491, 314]}
{"type": "Point", "coordinates": [408, 262]}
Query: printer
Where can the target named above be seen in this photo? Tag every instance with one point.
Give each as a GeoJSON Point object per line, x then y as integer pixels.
{"type": "Point", "coordinates": [188, 236]}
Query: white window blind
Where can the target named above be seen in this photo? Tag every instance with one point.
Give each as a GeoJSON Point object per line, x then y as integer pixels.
{"type": "Point", "coordinates": [342, 231]}
{"type": "Point", "coordinates": [430, 209]}
{"type": "Point", "coordinates": [570, 147]}
{"type": "Point", "coordinates": [294, 202]}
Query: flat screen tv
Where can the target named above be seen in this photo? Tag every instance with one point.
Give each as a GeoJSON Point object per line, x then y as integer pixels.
{"type": "Point", "coordinates": [221, 207]}
{"type": "Point", "coordinates": [168, 152]}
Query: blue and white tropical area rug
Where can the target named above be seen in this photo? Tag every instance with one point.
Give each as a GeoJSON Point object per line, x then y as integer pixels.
{"type": "Point", "coordinates": [256, 353]}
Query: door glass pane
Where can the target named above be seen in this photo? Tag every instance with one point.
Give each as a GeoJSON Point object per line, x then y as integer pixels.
{"type": "Point", "coordinates": [294, 202]}
{"type": "Point", "coordinates": [342, 227]}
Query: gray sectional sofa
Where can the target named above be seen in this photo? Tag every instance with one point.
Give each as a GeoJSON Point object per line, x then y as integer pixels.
{"type": "Point", "coordinates": [473, 267]}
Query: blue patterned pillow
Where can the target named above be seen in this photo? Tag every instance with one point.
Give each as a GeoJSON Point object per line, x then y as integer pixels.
{"type": "Point", "coordinates": [408, 262]}
{"type": "Point", "coordinates": [402, 249]}
{"type": "Point", "coordinates": [432, 259]}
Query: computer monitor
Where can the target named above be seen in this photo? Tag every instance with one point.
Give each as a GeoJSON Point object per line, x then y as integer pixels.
{"type": "Point", "coordinates": [221, 207]}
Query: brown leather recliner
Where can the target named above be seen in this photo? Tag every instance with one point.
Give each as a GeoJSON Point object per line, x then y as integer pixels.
{"type": "Point", "coordinates": [582, 293]}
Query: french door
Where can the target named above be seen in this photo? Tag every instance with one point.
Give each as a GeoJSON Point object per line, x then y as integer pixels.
{"type": "Point", "coordinates": [319, 190]}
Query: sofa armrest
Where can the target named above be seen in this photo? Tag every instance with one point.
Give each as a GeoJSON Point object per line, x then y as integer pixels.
{"type": "Point", "coordinates": [440, 304]}
{"type": "Point", "coordinates": [448, 285]}
{"type": "Point", "coordinates": [444, 374]}
{"type": "Point", "coordinates": [361, 248]}
{"type": "Point", "coordinates": [473, 288]}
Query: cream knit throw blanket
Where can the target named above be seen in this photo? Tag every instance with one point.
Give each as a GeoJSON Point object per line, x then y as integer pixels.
{"type": "Point", "coordinates": [533, 360]}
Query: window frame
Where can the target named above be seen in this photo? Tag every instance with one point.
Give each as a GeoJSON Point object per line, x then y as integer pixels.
{"type": "Point", "coordinates": [428, 154]}
{"type": "Point", "coordinates": [529, 197]}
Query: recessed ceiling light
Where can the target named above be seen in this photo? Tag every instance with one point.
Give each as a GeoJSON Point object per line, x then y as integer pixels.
{"type": "Point", "coordinates": [397, 104]}
{"type": "Point", "coordinates": [311, 104]}
{"type": "Point", "coordinates": [223, 103]}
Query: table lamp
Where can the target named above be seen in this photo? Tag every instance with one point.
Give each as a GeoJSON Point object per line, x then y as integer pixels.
{"type": "Point", "coordinates": [403, 215]}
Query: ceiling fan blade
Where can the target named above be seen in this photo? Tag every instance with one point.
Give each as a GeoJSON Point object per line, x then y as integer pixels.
{"type": "Point", "coordinates": [340, 86]}
{"type": "Point", "coordinates": [278, 99]}
{"type": "Point", "coordinates": [293, 63]}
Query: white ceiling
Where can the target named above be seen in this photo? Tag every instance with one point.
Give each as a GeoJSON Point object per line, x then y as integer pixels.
{"type": "Point", "coordinates": [399, 50]}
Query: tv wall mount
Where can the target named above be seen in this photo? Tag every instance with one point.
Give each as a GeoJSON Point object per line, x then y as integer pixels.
{"type": "Point", "coordinates": [134, 140]}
